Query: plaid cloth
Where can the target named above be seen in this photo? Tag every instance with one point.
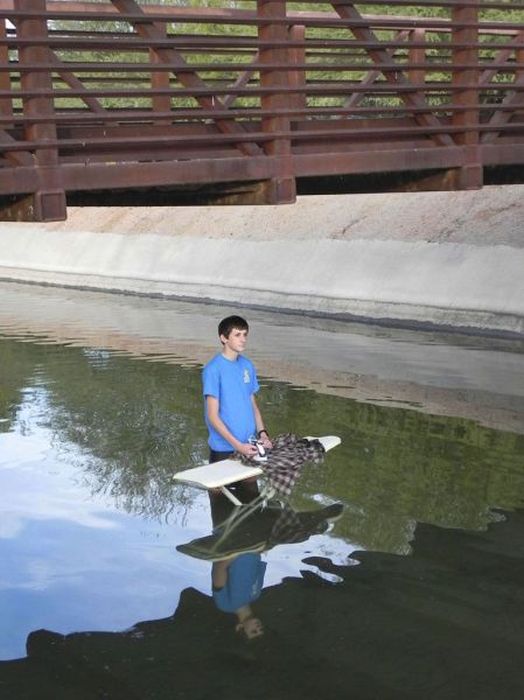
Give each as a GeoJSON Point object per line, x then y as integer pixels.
{"type": "Point", "coordinates": [286, 459]}
{"type": "Point", "coordinates": [293, 527]}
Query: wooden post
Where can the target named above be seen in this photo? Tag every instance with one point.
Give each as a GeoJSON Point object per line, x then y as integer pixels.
{"type": "Point", "coordinates": [470, 175]}
{"type": "Point", "coordinates": [49, 199]}
{"type": "Point", "coordinates": [282, 187]}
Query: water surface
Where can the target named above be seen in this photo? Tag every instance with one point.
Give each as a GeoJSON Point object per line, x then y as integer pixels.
{"type": "Point", "coordinates": [416, 591]}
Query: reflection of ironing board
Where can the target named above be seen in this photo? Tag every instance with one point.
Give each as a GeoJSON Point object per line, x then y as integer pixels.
{"type": "Point", "coordinates": [209, 549]}
{"type": "Point", "coordinates": [220, 475]}
{"type": "Point", "coordinates": [257, 528]}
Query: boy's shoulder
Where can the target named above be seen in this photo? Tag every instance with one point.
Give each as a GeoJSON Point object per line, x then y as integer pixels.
{"type": "Point", "coordinates": [215, 360]}
{"type": "Point", "coordinates": [219, 361]}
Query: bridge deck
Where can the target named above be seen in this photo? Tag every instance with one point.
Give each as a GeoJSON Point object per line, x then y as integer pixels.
{"type": "Point", "coordinates": [128, 95]}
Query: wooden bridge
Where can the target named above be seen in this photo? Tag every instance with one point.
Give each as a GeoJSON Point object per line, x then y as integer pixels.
{"type": "Point", "coordinates": [240, 101]}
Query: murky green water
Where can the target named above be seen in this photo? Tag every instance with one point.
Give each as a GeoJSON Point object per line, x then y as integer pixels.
{"type": "Point", "coordinates": [415, 592]}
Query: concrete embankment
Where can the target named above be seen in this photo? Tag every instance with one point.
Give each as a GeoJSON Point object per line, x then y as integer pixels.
{"type": "Point", "coordinates": [446, 259]}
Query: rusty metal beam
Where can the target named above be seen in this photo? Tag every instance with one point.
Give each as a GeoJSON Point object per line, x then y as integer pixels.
{"type": "Point", "coordinates": [185, 73]}
{"type": "Point", "coordinates": [77, 5]}
{"type": "Point", "coordinates": [164, 13]}
{"type": "Point", "coordinates": [283, 187]}
{"type": "Point", "coordinates": [347, 10]}
{"type": "Point", "coordinates": [126, 175]}
{"type": "Point", "coordinates": [218, 44]}
{"type": "Point", "coordinates": [470, 175]}
{"type": "Point", "coordinates": [49, 201]}
{"type": "Point", "coordinates": [334, 130]}
{"type": "Point", "coordinates": [513, 100]}
{"type": "Point", "coordinates": [74, 118]}
{"type": "Point", "coordinates": [264, 106]}
{"type": "Point", "coordinates": [374, 75]}
{"type": "Point", "coordinates": [489, 67]}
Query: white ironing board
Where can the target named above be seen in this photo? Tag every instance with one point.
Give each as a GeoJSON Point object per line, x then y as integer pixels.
{"type": "Point", "coordinates": [219, 475]}
{"type": "Point", "coordinates": [328, 442]}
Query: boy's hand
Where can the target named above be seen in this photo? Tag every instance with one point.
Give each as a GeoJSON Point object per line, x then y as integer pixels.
{"type": "Point", "coordinates": [248, 450]}
{"type": "Point", "coordinates": [266, 442]}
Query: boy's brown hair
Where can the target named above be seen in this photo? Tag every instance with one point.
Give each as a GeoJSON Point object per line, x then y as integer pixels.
{"type": "Point", "coordinates": [227, 324]}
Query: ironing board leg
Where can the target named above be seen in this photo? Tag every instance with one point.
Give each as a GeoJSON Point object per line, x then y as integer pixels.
{"type": "Point", "coordinates": [227, 493]}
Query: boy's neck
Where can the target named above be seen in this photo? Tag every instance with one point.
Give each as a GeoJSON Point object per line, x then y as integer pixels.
{"type": "Point", "coordinates": [230, 354]}
{"type": "Point", "coordinates": [244, 613]}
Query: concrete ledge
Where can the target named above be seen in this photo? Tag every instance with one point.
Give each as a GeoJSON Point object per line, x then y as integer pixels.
{"type": "Point", "coordinates": [399, 277]}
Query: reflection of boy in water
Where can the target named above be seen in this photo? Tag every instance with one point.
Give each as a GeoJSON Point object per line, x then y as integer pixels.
{"type": "Point", "coordinates": [237, 579]}
{"type": "Point", "coordinates": [237, 582]}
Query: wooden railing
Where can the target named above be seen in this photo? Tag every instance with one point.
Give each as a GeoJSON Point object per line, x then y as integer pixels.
{"type": "Point", "coordinates": [127, 94]}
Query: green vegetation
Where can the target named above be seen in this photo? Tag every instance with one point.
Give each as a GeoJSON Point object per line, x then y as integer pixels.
{"type": "Point", "coordinates": [15, 374]}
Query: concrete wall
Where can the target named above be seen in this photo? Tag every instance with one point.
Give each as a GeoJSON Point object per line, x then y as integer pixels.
{"type": "Point", "coordinates": [450, 259]}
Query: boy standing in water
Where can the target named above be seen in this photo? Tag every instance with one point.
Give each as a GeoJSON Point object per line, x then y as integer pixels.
{"type": "Point", "coordinates": [230, 384]}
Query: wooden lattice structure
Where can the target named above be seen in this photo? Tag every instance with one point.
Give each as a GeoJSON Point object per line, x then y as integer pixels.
{"type": "Point", "coordinates": [128, 95]}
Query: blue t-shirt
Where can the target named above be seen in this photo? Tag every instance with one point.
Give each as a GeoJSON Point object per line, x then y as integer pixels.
{"type": "Point", "coordinates": [232, 382]}
{"type": "Point", "coordinates": [245, 578]}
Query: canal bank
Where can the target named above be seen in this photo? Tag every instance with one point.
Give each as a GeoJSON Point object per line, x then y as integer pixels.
{"type": "Point", "coordinates": [445, 259]}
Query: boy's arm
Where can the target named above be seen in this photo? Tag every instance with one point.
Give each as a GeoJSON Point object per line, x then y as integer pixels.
{"type": "Point", "coordinates": [219, 573]}
{"type": "Point", "coordinates": [212, 409]}
{"type": "Point", "coordinates": [259, 422]}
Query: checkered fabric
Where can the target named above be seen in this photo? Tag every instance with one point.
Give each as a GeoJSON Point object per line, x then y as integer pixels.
{"type": "Point", "coordinates": [293, 527]}
{"type": "Point", "coordinates": [286, 459]}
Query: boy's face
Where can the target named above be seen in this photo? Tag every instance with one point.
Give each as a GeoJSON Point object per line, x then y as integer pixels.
{"type": "Point", "coordinates": [236, 341]}
{"type": "Point", "coordinates": [253, 628]}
